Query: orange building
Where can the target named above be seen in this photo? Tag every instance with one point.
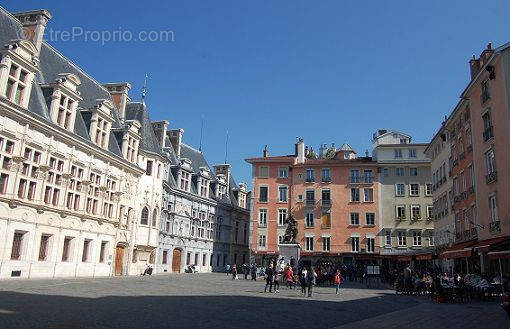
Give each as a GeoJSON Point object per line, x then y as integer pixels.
{"type": "Point", "coordinates": [332, 196]}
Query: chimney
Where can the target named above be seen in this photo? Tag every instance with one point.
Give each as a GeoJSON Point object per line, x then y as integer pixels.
{"type": "Point", "coordinates": [474, 66]}
{"type": "Point", "coordinates": [160, 128]}
{"type": "Point", "coordinates": [34, 23]}
{"type": "Point", "coordinates": [300, 148]}
{"type": "Point", "coordinates": [265, 152]}
{"type": "Point", "coordinates": [119, 92]}
{"type": "Point", "coordinates": [176, 140]}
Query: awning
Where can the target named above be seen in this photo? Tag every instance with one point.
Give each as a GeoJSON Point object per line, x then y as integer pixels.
{"type": "Point", "coordinates": [426, 256]}
{"type": "Point", "coordinates": [453, 254]}
{"type": "Point", "coordinates": [485, 245]}
{"type": "Point", "coordinates": [458, 250]}
{"type": "Point", "coordinates": [499, 254]}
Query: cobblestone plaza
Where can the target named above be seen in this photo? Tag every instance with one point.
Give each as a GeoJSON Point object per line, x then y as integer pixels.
{"type": "Point", "coordinates": [212, 300]}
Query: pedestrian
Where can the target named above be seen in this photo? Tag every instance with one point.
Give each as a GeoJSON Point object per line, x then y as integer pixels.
{"type": "Point", "coordinates": [276, 282]}
{"type": "Point", "coordinates": [227, 269]}
{"type": "Point", "coordinates": [337, 281]}
{"type": "Point", "coordinates": [254, 272]}
{"type": "Point", "coordinates": [245, 271]}
{"type": "Point", "coordinates": [269, 277]}
{"type": "Point", "coordinates": [310, 281]}
{"type": "Point", "coordinates": [234, 272]}
{"type": "Point", "coordinates": [303, 282]}
{"type": "Point", "coordinates": [289, 277]}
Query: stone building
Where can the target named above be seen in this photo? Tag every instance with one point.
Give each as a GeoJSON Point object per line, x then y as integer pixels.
{"type": "Point", "coordinates": [406, 194]}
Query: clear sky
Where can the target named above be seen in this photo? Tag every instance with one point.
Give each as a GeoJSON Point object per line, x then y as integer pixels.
{"type": "Point", "coordinates": [268, 71]}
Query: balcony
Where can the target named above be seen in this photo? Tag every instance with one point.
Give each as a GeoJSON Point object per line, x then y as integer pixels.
{"type": "Point", "coordinates": [491, 177]}
{"type": "Point", "coordinates": [485, 96]}
{"type": "Point", "coordinates": [326, 179]}
{"type": "Point", "coordinates": [487, 133]}
{"type": "Point", "coordinates": [474, 233]}
{"type": "Point", "coordinates": [326, 203]}
{"type": "Point", "coordinates": [310, 202]}
{"type": "Point", "coordinates": [495, 227]}
{"type": "Point", "coordinates": [355, 179]}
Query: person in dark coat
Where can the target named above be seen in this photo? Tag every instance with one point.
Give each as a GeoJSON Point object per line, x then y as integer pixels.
{"type": "Point", "coordinates": [269, 278]}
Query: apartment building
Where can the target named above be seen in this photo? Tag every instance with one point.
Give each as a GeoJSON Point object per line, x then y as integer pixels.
{"type": "Point", "coordinates": [333, 197]}
{"type": "Point", "coordinates": [405, 186]}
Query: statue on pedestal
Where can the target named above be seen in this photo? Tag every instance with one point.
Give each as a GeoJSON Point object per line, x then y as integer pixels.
{"type": "Point", "coordinates": [291, 231]}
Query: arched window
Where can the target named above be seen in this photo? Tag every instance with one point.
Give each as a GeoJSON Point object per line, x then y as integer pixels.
{"type": "Point", "coordinates": [144, 219]}
{"type": "Point", "coordinates": [154, 217]}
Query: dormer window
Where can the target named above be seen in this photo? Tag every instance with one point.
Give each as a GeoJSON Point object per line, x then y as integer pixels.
{"type": "Point", "coordinates": [132, 146]}
{"type": "Point", "coordinates": [204, 187]}
{"type": "Point", "coordinates": [131, 141]}
{"type": "Point", "coordinates": [222, 191]}
{"type": "Point", "coordinates": [102, 129]}
{"type": "Point", "coordinates": [16, 84]}
{"type": "Point", "coordinates": [101, 123]}
{"type": "Point", "coordinates": [185, 180]}
{"type": "Point", "coordinates": [65, 112]}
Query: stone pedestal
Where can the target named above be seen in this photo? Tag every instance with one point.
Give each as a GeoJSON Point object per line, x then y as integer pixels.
{"type": "Point", "coordinates": [288, 250]}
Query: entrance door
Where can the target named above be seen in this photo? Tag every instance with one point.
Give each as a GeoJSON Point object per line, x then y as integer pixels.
{"type": "Point", "coordinates": [119, 257]}
{"type": "Point", "coordinates": [176, 261]}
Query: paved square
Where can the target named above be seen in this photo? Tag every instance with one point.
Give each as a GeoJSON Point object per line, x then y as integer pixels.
{"type": "Point", "coordinates": [215, 301]}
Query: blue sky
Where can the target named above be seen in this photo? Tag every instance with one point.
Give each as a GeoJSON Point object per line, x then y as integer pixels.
{"type": "Point", "coordinates": [268, 71]}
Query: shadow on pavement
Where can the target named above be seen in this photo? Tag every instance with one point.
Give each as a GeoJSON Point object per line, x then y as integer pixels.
{"type": "Point", "coordinates": [34, 311]}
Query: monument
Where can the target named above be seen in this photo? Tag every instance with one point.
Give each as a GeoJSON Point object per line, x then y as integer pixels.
{"type": "Point", "coordinates": [289, 249]}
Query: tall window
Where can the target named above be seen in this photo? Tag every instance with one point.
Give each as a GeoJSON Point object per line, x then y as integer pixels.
{"type": "Point", "coordinates": [65, 112]}
{"type": "Point", "coordinates": [6, 150]}
{"type": "Point", "coordinates": [355, 194]}
{"type": "Point", "coordinates": [387, 238]}
{"type": "Point", "coordinates": [402, 239]}
{"type": "Point", "coordinates": [398, 153]}
{"type": "Point", "coordinates": [493, 208]}
{"type": "Point", "coordinates": [66, 251]}
{"type": "Point", "coordinates": [263, 217]}
{"type": "Point", "coordinates": [16, 84]}
{"type": "Point", "coordinates": [400, 189]}
{"type": "Point", "coordinates": [369, 177]}
{"type": "Point", "coordinates": [132, 146]}
{"type": "Point", "coordinates": [355, 176]}
{"type": "Point", "coordinates": [354, 218]}
{"type": "Point", "coordinates": [416, 238]}
{"type": "Point", "coordinates": [282, 193]}
{"type": "Point", "coordinates": [74, 188]}
{"type": "Point", "coordinates": [282, 216]}
{"type": "Point", "coordinates": [28, 178]}
{"type": "Point", "coordinates": [185, 180]}
{"type": "Point", "coordinates": [400, 211]}
{"type": "Point", "coordinates": [109, 198]}
{"type": "Point", "coordinates": [86, 249]}
{"type": "Point", "coordinates": [154, 217]}
{"type": "Point", "coordinates": [368, 194]}
{"type": "Point", "coordinates": [310, 175]}
{"type": "Point", "coordinates": [414, 189]}
{"type": "Point", "coordinates": [144, 218]}
{"type": "Point", "coordinates": [415, 212]}
{"type": "Point", "coordinates": [102, 251]}
{"type": "Point", "coordinates": [413, 171]}
{"type": "Point", "coordinates": [370, 218]}
{"type": "Point", "coordinates": [490, 161]}
{"type": "Point", "coordinates": [93, 193]}
{"type": "Point", "coordinates": [262, 240]}
{"type": "Point", "coordinates": [204, 187]}
{"type": "Point", "coordinates": [354, 244]}
{"type": "Point", "coordinates": [326, 220]}
{"type": "Point", "coordinates": [263, 191]}
{"type": "Point", "coordinates": [428, 189]}
{"type": "Point", "coordinates": [43, 247]}
{"type": "Point", "coordinates": [283, 172]}
{"type": "Point", "coordinates": [326, 243]}
{"type": "Point", "coordinates": [309, 243]}
{"type": "Point", "coordinates": [102, 129]}
{"type": "Point", "coordinates": [54, 181]}
{"type": "Point", "coordinates": [326, 176]}
{"type": "Point", "coordinates": [487, 126]}
{"type": "Point", "coordinates": [17, 245]}
{"type": "Point", "coordinates": [263, 171]}
{"type": "Point", "coordinates": [400, 171]}
{"type": "Point", "coordinates": [412, 153]}
{"type": "Point", "coordinates": [370, 244]}
{"type": "Point", "coordinates": [309, 219]}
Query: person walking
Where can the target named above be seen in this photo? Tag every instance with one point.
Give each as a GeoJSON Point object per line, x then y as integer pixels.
{"type": "Point", "coordinates": [303, 281]}
{"type": "Point", "coordinates": [337, 280]}
{"type": "Point", "coordinates": [227, 269]}
{"type": "Point", "coordinates": [276, 282]}
{"type": "Point", "coordinates": [254, 272]}
{"type": "Point", "coordinates": [269, 277]}
{"type": "Point", "coordinates": [289, 277]}
{"type": "Point", "coordinates": [234, 272]}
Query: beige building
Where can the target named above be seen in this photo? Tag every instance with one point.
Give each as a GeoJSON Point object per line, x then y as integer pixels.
{"type": "Point", "coordinates": [406, 225]}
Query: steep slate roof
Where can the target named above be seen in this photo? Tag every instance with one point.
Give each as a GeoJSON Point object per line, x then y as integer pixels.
{"type": "Point", "coordinates": [138, 111]}
{"type": "Point", "coordinates": [196, 157]}
{"type": "Point", "coordinates": [52, 63]}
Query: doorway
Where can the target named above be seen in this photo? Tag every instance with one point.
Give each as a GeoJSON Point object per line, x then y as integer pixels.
{"type": "Point", "coordinates": [176, 261]}
{"type": "Point", "coordinates": [119, 258]}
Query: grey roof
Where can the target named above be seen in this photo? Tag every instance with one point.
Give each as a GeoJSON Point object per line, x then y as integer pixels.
{"type": "Point", "coordinates": [138, 111]}
{"type": "Point", "coordinates": [196, 157]}
{"type": "Point", "coordinates": [53, 63]}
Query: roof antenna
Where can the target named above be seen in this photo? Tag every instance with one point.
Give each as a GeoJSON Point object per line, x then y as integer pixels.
{"type": "Point", "coordinates": [226, 148]}
{"type": "Point", "coordinates": [144, 89]}
{"type": "Point", "coordinates": [201, 133]}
